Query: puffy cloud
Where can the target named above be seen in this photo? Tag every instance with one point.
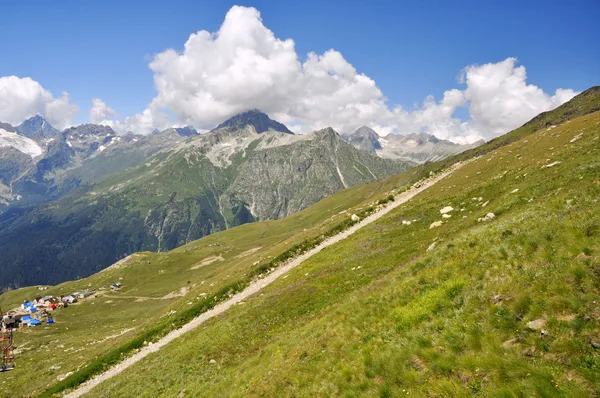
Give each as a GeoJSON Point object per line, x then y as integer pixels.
{"type": "Point", "coordinates": [100, 112]}
{"type": "Point", "coordinates": [142, 123]}
{"type": "Point", "coordinates": [21, 98]}
{"type": "Point", "coordinates": [500, 98]}
{"type": "Point", "coordinates": [243, 65]}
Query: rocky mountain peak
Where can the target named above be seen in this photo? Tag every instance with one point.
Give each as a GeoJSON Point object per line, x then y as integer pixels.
{"type": "Point", "coordinates": [366, 137]}
{"type": "Point", "coordinates": [90, 130]}
{"type": "Point", "coordinates": [37, 128]}
{"type": "Point", "coordinates": [186, 131]}
{"type": "Point", "coordinates": [365, 131]}
{"type": "Point", "coordinates": [254, 117]}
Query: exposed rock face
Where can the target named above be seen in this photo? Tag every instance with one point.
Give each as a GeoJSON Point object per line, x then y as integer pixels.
{"type": "Point", "coordinates": [38, 129]}
{"type": "Point", "coordinates": [364, 138]}
{"type": "Point", "coordinates": [17, 155]}
{"type": "Point", "coordinates": [79, 155]}
{"type": "Point", "coordinates": [283, 176]}
{"type": "Point", "coordinates": [418, 148]}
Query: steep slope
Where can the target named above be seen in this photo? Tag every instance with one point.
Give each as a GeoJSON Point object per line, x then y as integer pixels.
{"type": "Point", "coordinates": [384, 311]}
{"type": "Point", "coordinates": [9, 138]}
{"type": "Point", "coordinates": [206, 184]}
{"type": "Point", "coordinates": [502, 305]}
{"type": "Point", "coordinates": [84, 154]}
{"type": "Point", "coordinates": [162, 285]}
{"type": "Point", "coordinates": [416, 147]}
{"type": "Point", "coordinates": [364, 138]}
{"type": "Point", "coordinates": [37, 129]}
{"type": "Point", "coordinates": [17, 155]}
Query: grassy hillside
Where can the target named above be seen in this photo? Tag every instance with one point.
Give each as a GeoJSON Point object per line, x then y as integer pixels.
{"type": "Point", "coordinates": [149, 304]}
{"type": "Point", "coordinates": [386, 312]}
{"type": "Point", "coordinates": [374, 314]}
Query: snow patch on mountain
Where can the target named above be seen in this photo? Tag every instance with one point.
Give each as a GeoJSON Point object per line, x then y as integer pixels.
{"type": "Point", "coordinates": [23, 144]}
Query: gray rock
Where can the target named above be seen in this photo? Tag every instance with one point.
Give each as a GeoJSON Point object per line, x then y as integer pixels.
{"type": "Point", "coordinates": [536, 324]}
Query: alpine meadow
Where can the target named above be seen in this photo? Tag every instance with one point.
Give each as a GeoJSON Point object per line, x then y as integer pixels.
{"type": "Point", "coordinates": [267, 223]}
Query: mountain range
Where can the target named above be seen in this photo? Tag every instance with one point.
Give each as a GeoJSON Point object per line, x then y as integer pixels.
{"type": "Point", "coordinates": [93, 197]}
{"type": "Point", "coordinates": [415, 147]}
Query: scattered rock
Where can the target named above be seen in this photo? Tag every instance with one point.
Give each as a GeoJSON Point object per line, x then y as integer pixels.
{"type": "Point", "coordinates": [595, 344]}
{"type": "Point", "coordinates": [212, 361]}
{"type": "Point", "coordinates": [485, 204]}
{"type": "Point", "coordinates": [515, 190]}
{"type": "Point", "coordinates": [578, 136]}
{"type": "Point", "coordinates": [406, 222]}
{"type": "Point", "coordinates": [355, 217]}
{"type": "Point", "coordinates": [497, 299]}
{"type": "Point", "coordinates": [488, 217]}
{"type": "Point", "coordinates": [536, 324]}
{"type": "Point", "coordinates": [435, 224]}
{"type": "Point", "coordinates": [551, 164]}
{"type": "Point", "coordinates": [63, 376]}
{"type": "Point", "coordinates": [446, 215]}
{"type": "Point", "coordinates": [431, 246]}
{"type": "Point", "coordinates": [446, 209]}
{"type": "Point", "coordinates": [509, 343]}
{"type": "Point", "coordinates": [528, 352]}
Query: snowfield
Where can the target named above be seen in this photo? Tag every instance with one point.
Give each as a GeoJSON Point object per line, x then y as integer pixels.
{"type": "Point", "coordinates": [23, 144]}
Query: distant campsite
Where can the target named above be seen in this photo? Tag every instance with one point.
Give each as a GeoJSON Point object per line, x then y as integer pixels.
{"type": "Point", "coordinates": [40, 310]}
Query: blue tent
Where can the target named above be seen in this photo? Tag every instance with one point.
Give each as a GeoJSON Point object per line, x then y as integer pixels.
{"type": "Point", "coordinates": [25, 318]}
{"type": "Point", "coordinates": [32, 309]}
{"type": "Point", "coordinates": [49, 321]}
{"type": "Point", "coordinates": [35, 322]}
{"type": "Point", "coordinates": [27, 304]}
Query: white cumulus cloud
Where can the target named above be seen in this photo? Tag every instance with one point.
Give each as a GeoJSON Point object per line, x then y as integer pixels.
{"type": "Point", "coordinates": [244, 65]}
{"type": "Point", "coordinates": [500, 98]}
{"type": "Point", "coordinates": [21, 98]}
{"type": "Point", "coordinates": [100, 112]}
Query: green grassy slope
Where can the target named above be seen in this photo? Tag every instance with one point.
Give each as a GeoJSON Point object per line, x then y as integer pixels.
{"type": "Point", "coordinates": [380, 314]}
{"type": "Point", "coordinates": [92, 329]}
{"type": "Point", "coordinates": [83, 330]}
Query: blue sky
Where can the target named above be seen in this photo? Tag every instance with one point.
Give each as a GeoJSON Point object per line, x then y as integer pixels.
{"type": "Point", "coordinates": [410, 49]}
